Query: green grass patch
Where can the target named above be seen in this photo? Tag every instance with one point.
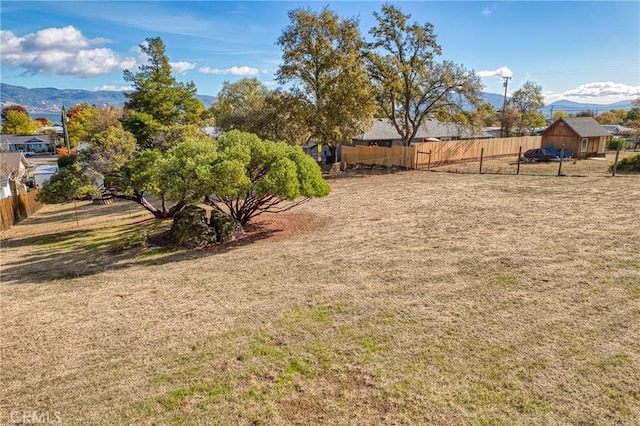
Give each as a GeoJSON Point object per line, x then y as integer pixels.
{"type": "Point", "coordinates": [209, 391]}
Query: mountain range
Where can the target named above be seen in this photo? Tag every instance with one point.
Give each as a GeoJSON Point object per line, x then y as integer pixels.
{"type": "Point", "coordinates": [50, 100]}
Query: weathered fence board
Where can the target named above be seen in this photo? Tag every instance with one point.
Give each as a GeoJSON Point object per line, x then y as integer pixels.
{"type": "Point", "coordinates": [17, 208]}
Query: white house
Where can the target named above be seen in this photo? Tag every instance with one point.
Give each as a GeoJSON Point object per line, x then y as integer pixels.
{"type": "Point", "coordinates": [43, 173]}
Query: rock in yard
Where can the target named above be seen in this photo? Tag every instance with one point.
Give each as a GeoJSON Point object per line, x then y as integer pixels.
{"type": "Point", "coordinates": [226, 227]}
{"type": "Point", "coordinates": [191, 229]}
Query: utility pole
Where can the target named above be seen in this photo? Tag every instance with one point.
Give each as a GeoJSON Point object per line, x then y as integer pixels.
{"type": "Point", "coordinates": [551, 114]}
{"type": "Point", "coordinates": [65, 132]}
{"type": "Point", "coordinates": [505, 83]}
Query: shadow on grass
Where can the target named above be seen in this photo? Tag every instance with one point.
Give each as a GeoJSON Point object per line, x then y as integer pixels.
{"type": "Point", "coordinates": [81, 253]}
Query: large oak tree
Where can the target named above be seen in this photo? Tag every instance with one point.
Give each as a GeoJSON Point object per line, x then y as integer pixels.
{"type": "Point", "coordinates": [410, 84]}
{"type": "Point", "coordinates": [322, 61]}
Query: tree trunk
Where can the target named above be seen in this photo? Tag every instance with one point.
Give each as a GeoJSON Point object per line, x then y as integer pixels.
{"type": "Point", "coordinates": [334, 150]}
{"type": "Point", "coordinates": [138, 197]}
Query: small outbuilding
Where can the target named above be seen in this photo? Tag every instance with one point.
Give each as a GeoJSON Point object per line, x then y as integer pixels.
{"type": "Point", "coordinates": [584, 136]}
{"type": "Point", "coordinates": [43, 173]}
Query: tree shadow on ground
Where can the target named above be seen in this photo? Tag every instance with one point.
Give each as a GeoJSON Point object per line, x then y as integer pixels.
{"type": "Point", "coordinates": [80, 253]}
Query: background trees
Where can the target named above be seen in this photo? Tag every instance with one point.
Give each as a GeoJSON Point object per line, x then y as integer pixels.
{"type": "Point", "coordinates": [158, 99]}
{"type": "Point", "coordinates": [322, 60]}
{"type": "Point", "coordinates": [17, 121]}
{"type": "Point", "coordinates": [241, 105]}
{"type": "Point", "coordinates": [527, 100]}
{"type": "Point", "coordinates": [409, 83]}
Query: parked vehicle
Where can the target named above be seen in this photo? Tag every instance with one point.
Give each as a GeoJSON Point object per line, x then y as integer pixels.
{"type": "Point", "coordinates": [26, 153]}
{"type": "Point", "coordinates": [568, 154]}
{"type": "Point", "coordinates": [540, 154]}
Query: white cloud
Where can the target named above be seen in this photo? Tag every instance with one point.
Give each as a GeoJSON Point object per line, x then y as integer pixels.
{"type": "Point", "coordinates": [596, 92]}
{"type": "Point", "coordinates": [109, 88]}
{"type": "Point", "coordinates": [182, 66]}
{"type": "Point", "coordinates": [500, 72]}
{"type": "Point", "coordinates": [244, 70]}
{"type": "Point", "coordinates": [486, 11]}
{"type": "Point", "coordinates": [60, 51]}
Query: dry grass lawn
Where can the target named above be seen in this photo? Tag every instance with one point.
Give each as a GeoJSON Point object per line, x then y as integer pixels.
{"type": "Point", "coordinates": [407, 298]}
{"type": "Point", "coordinates": [594, 166]}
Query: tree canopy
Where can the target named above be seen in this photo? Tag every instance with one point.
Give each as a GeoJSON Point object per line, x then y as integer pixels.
{"type": "Point", "coordinates": [251, 176]}
{"type": "Point", "coordinates": [158, 99]}
{"type": "Point", "coordinates": [409, 83]}
{"type": "Point", "coordinates": [17, 121]}
{"type": "Point", "coordinates": [240, 105]}
{"type": "Point", "coordinates": [527, 100]}
{"type": "Point", "coordinates": [323, 62]}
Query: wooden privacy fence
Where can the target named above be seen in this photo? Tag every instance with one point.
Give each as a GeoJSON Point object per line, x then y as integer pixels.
{"type": "Point", "coordinates": [451, 151]}
{"type": "Point", "coordinates": [380, 156]}
{"type": "Point", "coordinates": [17, 208]}
{"type": "Point", "coordinates": [437, 153]}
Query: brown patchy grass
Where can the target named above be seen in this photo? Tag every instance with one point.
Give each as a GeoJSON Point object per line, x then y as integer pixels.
{"type": "Point", "coordinates": [426, 298]}
{"type": "Point", "coordinates": [595, 166]}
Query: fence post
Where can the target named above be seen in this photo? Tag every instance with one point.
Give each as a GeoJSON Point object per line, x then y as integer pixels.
{"type": "Point", "coordinates": [561, 159]}
{"type": "Point", "coordinates": [519, 156]}
{"type": "Point", "coordinates": [615, 162]}
{"type": "Point", "coordinates": [481, 155]}
{"type": "Point", "coordinates": [429, 163]}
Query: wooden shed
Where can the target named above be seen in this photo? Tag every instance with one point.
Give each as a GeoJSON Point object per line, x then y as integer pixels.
{"type": "Point", "coordinates": [582, 135]}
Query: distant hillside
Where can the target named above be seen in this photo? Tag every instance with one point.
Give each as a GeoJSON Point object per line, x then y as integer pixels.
{"type": "Point", "coordinates": [566, 106]}
{"type": "Point", "coordinates": [576, 107]}
{"type": "Point", "coordinates": [50, 100]}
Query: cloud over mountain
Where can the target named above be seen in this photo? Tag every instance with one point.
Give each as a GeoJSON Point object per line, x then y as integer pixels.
{"type": "Point", "coordinates": [60, 51]}
{"type": "Point", "coordinates": [597, 90]}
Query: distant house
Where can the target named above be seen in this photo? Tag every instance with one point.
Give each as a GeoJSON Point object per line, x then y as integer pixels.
{"type": "Point", "coordinates": [13, 167]}
{"type": "Point", "coordinates": [43, 173]}
{"type": "Point", "coordinates": [311, 149]}
{"type": "Point", "coordinates": [383, 133]}
{"type": "Point", "coordinates": [582, 135]}
{"type": "Point", "coordinates": [618, 129]}
{"type": "Point", "coordinates": [31, 143]}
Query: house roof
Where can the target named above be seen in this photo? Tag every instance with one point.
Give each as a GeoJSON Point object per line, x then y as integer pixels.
{"type": "Point", "coordinates": [23, 139]}
{"type": "Point", "coordinates": [10, 161]}
{"type": "Point", "coordinates": [617, 128]}
{"type": "Point", "coordinates": [45, 169]}
{"type": "Point", "coordinates": [585, 127]}
{"type": "Point", "coordinates": [383, 129]}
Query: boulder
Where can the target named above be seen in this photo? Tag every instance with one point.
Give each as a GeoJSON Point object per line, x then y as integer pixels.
{"type": "Point", "coordinates": [191, 229]}
{"type": "Point", "coordinates": [227, 228]}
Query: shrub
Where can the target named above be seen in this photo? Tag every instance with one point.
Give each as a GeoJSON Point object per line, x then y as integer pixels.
{"type": "Point", "coordinates": [615, 142]}
{"type": "Point", "coordinates": [70, 182]}
{"type": "Point", "coordinates": [67, 160]}
{"type": "Point", "coordinates": [629, 164]}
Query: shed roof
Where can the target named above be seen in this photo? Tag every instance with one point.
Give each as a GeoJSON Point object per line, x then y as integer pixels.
{"type": "Point", "coordinates": [585, 127]}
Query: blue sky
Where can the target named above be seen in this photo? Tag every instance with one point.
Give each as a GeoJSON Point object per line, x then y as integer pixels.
{"type": "Point", "coordinates": [580, 51]}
